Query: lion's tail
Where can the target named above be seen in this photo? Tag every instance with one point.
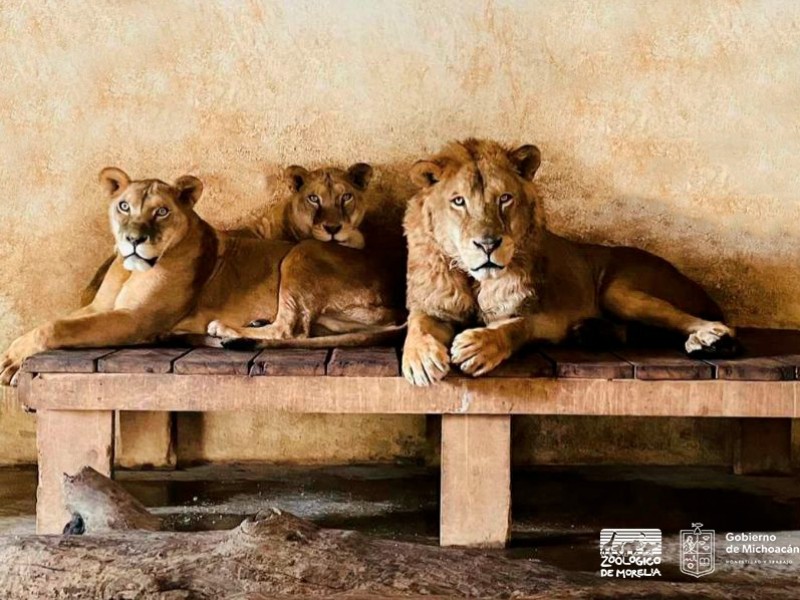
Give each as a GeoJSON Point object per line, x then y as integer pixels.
{"type": "Point", "coordinates": [376, 336]}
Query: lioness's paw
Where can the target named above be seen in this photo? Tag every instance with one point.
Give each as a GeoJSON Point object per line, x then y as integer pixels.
{"type": "Point", "coordinates": [425, 360]}
{"type": "Point", "coordinates": [8, 370]}
{"type": "Point", "coordinates": [713, 338]}
{"type": "Point", "coordinates": [478, 351]}
{"type": "Point", "coordinates": [220, 330]}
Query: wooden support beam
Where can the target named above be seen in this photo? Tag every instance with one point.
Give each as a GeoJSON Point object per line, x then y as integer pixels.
{"type": "Point", "coordinates": [66, 442]}
{"type": "Point", "coordinates": [763, 447]}
{"type": "Point", "coordinates": [476, 480]}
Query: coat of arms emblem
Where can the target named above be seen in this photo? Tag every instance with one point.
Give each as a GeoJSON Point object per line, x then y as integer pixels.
{"type": "Point", "coordinates": [697, 550]}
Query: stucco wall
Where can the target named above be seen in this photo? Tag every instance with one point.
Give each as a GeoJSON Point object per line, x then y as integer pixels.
{"type": "Point", "coordinates": [670, 125]}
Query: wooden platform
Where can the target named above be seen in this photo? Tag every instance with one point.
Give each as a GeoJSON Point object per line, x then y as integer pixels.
{"type": "Point", "coordinates": [76, 393]}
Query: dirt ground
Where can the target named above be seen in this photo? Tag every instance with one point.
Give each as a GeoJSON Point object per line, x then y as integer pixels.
{"type": "Point", "coordinates": [558, 512]}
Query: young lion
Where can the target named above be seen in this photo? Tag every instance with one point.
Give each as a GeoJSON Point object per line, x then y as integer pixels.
{"type": "Point", "coordinates": [175, 273]}
{"type": "Point", "coordinates": [326, 204]}
{"type": "Point", "coordinates": [479, 253]}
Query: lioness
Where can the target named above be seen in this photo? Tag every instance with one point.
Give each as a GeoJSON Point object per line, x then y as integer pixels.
{"type": "Point", "coordinates": [479, 254]}
{"type": "Point", "coordinates": [175, 273]}
{"type": "Point", "coordinates": [326, 204]}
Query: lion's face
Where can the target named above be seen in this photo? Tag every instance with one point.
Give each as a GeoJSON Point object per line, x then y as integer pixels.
{"type": "Point", "coordinates": [328, 204]}
{"type": "Point", "coordinates": [477, 205]}
{"type": "Point", "coordinates": [148, 216]}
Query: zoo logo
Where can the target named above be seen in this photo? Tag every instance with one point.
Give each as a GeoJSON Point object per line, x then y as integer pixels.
{"type": "Point", "coordinates": [630, 552]}
{"type": "Point", "coordinates": [697, 551]}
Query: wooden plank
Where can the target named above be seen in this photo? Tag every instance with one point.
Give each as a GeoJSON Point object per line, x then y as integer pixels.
{"type": "Point", "coordinates": [65, 361]}
{"type": "Point", "coordinates": [364, 362]}
{"type": "Point", "coordinates": [393, 395]}
{"type": "Point", "coordinates": [665, 364]}
{"type": "Point", "coordinates": [753, 369]}
{"type": "Point", "coordinates": [527, 363]}
{"type": "Point", "coordinates": [476, 480]}
{"type": "Point", "coordinates": [290, 361]}
{"type": "Point", "coordinates": [140, 360]}
{"type": "Point", "coordinates": [67, 441]}
{"type": "Point", "coordinates": [763, 447]}
{"type": "Point", "coordinates": [215, 361]}
{"type": "Point", "coordinates": [576, 363]}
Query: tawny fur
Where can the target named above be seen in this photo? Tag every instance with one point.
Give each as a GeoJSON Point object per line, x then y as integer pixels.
{"type": "Point", "coordinates": [480, 257]}
{"type": "Point", "coordinates": [175, 274]}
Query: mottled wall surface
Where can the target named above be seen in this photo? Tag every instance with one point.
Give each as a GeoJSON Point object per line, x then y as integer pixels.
{"type": "Point", "coordinates": [670, 125]}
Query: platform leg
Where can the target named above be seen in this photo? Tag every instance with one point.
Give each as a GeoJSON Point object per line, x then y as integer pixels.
{"type": "Point", "coordinates": [67, 441]}
{"type": "Point", "coordinates": [476, 480]}
{"type": "Point", "coordinates": [763, 447]}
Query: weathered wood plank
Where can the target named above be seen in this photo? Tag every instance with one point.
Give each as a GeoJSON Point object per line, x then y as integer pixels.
{"type": "Point", "coordinates": [527, 363]}
{"type": "Point", "coordinates": [67, 441]}
{"type": "Point", "coordinates": [476, 480]}
{"type": "Point", "coordinates": [576, 363]}
{"type": "Point", "coordinates": [140, 360]}
{"type": "Point", "coordinates": [290, 361]}
{"type": "Point", "coordinates": [65, 361]}
{"type": "Point", "coordinates": [763, 447]}
{"type": "Point", "coordinates": [665, 364]}
{"type": "Point", "coordinates": [393, 395]}
{"type": "Point", "coordinates": [767, 356]}
{"type": "Point", "coordinates": [215, 361]}
{"type": "Point", "coordinates": [753, 369]}
{"type": "Point", "coordinates": [364, 362]}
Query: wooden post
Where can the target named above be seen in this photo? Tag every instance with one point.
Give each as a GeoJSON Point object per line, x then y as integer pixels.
{"type": "Point", "coordinates": [67, 441]}
{"type": "Point", "coordinates": [476, 480]}
{"type": "Point", "coordinates": [763, 446]}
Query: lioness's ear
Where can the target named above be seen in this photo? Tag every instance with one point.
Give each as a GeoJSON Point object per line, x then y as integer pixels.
{"type": "Point", "coordinates": [526, 160]}
{"type": "Point", "coordinates": [189, 189]}
{"type": "Point", "coordinates": [114, 180]}
{"type": "Point", "coordinates": [296, 176]}
{"type": "Point", "coordinates": [425, 173]}
{"type": "Point", "coordinates": [359, 175]}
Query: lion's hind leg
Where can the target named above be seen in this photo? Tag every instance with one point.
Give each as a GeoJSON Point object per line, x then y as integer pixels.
{"type": "Point", "coordinates": [704, 337]}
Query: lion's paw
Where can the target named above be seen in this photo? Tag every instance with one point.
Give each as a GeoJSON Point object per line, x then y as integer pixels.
{"type": "Point", "coordinates": [712, 338]}
{"type": "Point", "coordinates": [478, 351]}
{"type": "Point", "coordinates": [425, 360]}
{"type": "Point", "coordinates": [220, 330]}
{"type": "Point", "coordinates": [9, 368]}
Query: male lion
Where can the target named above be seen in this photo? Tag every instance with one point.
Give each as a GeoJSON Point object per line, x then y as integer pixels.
{"type": "Point", "coordinates": [479, 254]}
{"type": "Point", "coordinates": [175, 274]}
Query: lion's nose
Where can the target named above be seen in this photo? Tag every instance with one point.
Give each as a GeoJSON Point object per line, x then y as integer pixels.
{"type": "Point", "coordinates": [135, 239]}
{"type": "Point", "coordinates": [488, 244]}
{"type": "Point", "coordinates": [332, 229]}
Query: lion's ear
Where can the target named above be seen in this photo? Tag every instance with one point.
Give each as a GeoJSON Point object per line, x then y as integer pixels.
{"type": "Point", "coordinates": [526, 160]}
{"type": "Point", "coordinates": [359, 175]}
{"type": "Point", "coordinates": [296, 176]}
{"type": "Point", "coordinates": [190, 189]}
{"type": "Point", "coordinates": [425, 173]}
{"type": "Point", "coordinates": [114, 180]}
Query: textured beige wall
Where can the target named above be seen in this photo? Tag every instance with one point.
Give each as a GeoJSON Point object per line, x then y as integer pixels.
{"type": "Point", "coordinates": [670, 125]}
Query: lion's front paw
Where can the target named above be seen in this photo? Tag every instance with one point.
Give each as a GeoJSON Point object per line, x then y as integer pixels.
{"type": "Point", "coordinates": [425, 360]}
{"type": "Point", "coordinates": [714, 338]}
{"type": "Point", "coordinates": [10, 362]}
{"type": "Point", "coordinates": [478, 351]}
{"type": "Point", "coordinates": [8, 369]}
{"type": "Point", "coordinates": [220, 330]}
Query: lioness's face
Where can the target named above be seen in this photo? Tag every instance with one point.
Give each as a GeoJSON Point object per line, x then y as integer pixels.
{"type": "Point", "coordinates": [148, 216]}
{"type": "Point", "coordinates": [328, 204]}
{"type": "Point", "coordinates": [478, 210]}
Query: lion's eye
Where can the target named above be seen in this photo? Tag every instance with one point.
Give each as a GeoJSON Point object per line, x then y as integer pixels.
{"type": "Point", "coordinates": [506, 199]}
{"type": "Point", "coordinates": [458, 201]}
{"type": "Point", "coordinates": [314, 199]}
{"type": "Point", "coordinates": [162, 212]}
{"type": "Point", "coordinates": [124, 206]}
{"type": "Point", "coordinates": [347, 198]}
